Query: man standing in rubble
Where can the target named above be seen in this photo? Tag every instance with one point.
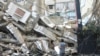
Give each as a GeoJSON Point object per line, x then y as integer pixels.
{"type": "Point", "coordinates": [62, 46]}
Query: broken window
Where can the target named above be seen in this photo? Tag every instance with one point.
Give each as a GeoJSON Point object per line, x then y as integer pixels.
{"type": "Point", "coordinates": [61, 6]}
{"type": "Point", "coordinates": [50, 6]}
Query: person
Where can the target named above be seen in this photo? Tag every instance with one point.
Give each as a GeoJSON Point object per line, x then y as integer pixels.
{"type": "Point", "coordinates": [52, 45]}
{"type": "Point", "coordinates": [62, 46]}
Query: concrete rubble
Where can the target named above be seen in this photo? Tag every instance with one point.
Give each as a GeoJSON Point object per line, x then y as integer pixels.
{"type": "Point", "coordinates": [24, 32]}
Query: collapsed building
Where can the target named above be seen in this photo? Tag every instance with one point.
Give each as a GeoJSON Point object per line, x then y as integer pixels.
{"type": "Point", "coordinates": [27, 26]}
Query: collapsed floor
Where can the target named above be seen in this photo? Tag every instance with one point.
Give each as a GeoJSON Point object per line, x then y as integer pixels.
{"type": "Point", "coordinates": [26, 34]}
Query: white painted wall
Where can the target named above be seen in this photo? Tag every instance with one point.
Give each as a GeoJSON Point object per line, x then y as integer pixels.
{"type": "Point", "coordinates": [49, 2]}
{"type": "Point", "coordinates": [88, 5]}
{"type": "Point", "coordinates": [57, 1]}
{"type": "Point", "coordinates": [86, 8]}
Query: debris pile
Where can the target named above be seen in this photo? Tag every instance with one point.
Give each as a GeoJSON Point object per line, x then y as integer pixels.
{"type": "Point", "coordinates": [26, 33]}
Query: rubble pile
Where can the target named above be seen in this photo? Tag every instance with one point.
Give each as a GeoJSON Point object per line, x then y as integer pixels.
{"type": "Point", "coordinates": [26, 33]}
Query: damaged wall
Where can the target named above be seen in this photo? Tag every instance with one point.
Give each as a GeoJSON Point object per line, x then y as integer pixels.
{"type": "Point", "coordinates": [26, 26]}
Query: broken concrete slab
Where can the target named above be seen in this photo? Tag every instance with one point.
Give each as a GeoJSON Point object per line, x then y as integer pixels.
{"type": "Point", "coordinates": [42, 45]}
{"type": "Point", "coordinates": [35, 7]}
{"type": "Point", "coordinates": [45, 32]}
{"type": "Point", "coordinates": [47, 21]}
{"type": "Point", "coordinates": [4, 24]}
{"type": "Point", "coordinates": [59, 33]}
{"type": "Point", "coordinates": [15, 32]}
{"type": "Point", "coordinates": [10, 46]}
{"type": "Point", "coordinates": [24, 48]}
{"type": "Point", "coordinates": [51, 27]}
{"type": "Point", "coordinates": [38, 44]}
{"type": "Point", "coordinates": [45, 46]}
{"type": "Point", "coordinates": [21, 27]}
{"type": "Point", "coordinates": [2, 35]}
{"type": "Point", "coordinates": [66, 39]}
{"type": "Point", "coordinates": [18, 13]}
{"type": "Point", "coordinates": [1, 6]}
{"type": "Point", "coordinates": [34, 38]}
{"type": "Point", "coordinates": [56, 48]}
{"type": "Point", "coordinates": [26, 27]}
{"type": "Point", "coordinates": [57, 20]}
{"type": "Point", "coordinates": [1, 14]}
{"type": "Point", "coordinates": [9, 41]}
{"type": "Point", "coordinates": [70, 35]}
{"type": "Point", "coordinates": [70, 50]}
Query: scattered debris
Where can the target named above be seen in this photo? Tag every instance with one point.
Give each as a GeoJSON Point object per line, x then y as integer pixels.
{"type": "Point", "coordinates": [15, 32]}
{"type": "Point", "coordinates": [45, 32]}
{"type": "Point", "coordinates": [18, 13]}
{"type": "Point", "coordinates": [24, 32]}
{"type": "Point", "coordinates": [48, 22]}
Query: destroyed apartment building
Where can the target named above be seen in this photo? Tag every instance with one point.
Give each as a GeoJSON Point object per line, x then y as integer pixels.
{"type": "Point", "coordinates": [28, 26]}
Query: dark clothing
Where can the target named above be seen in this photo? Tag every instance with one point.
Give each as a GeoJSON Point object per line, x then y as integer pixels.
{"type": "Point", "coordinates": [62, 48]}
{"type": "Point", "coordinates": [62, 54]}
{"type": "Point", "coordinates": [51, 44]}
